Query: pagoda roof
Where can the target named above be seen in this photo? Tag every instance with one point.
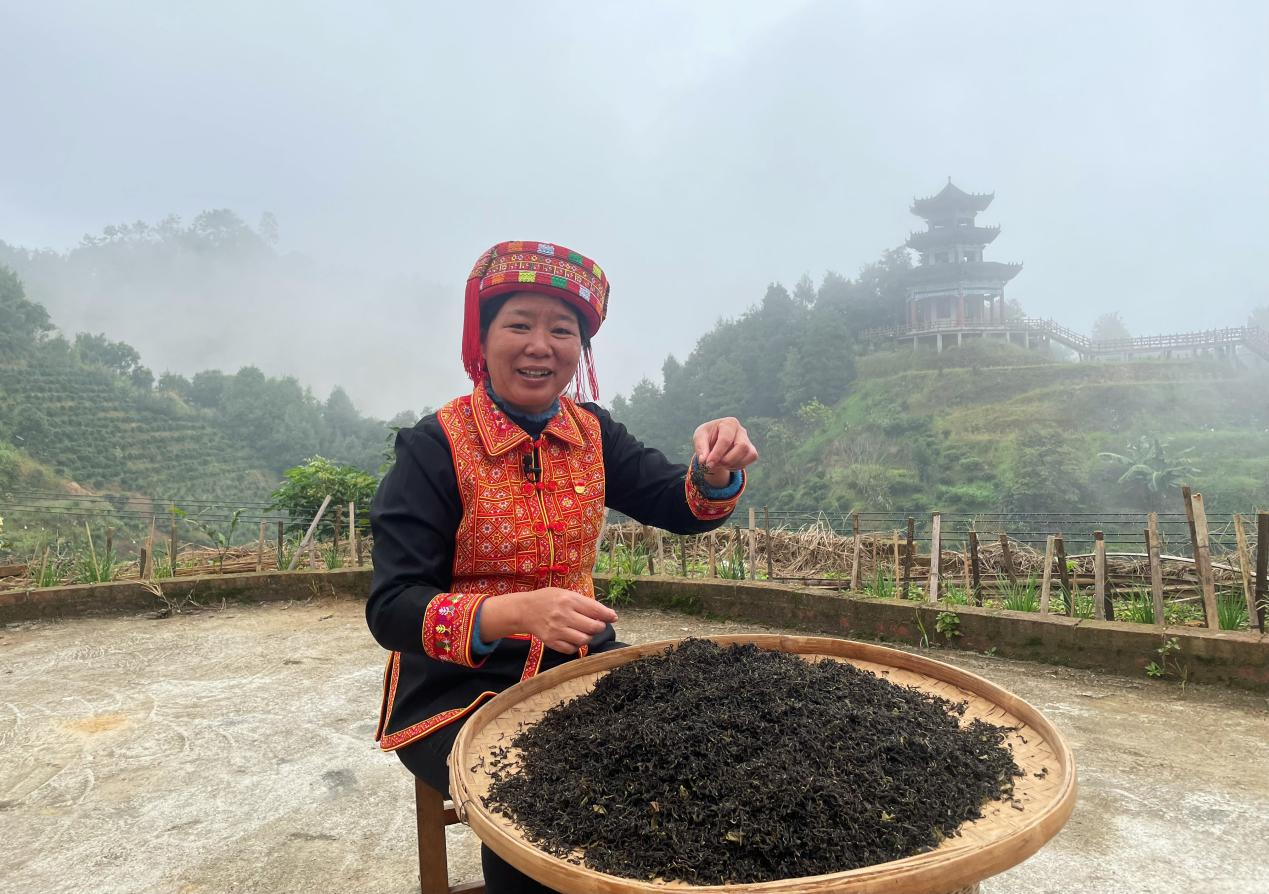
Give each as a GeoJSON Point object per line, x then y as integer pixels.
{"type": "Point", "coordinates": [950, 199]}
{"type": "Point", "coordinates": [965, 274]}
{"type": "Point", "coordinates": [926, 240]}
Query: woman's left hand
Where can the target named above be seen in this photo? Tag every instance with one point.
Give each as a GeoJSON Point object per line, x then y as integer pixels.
{"type": "Point", "coordinates": [722, 446]}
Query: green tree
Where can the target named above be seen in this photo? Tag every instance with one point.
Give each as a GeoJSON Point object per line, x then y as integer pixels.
{"type": "Point", "coordinates": [1149, 472]}
{"type": "Point", "coordinates": [304, 488]}
{"type": "Point", "coordinates": [804, 291]}
{"type": "Point", "coordinates": [175, 384]}
{"type": "Point", "coordinates": [820, 364]}
{"type": "Point", "coordinates": [1043, 472]}
{"type": "Point", "coordinates": [20, 319]}
{"type": "Point", "coordinates": [207, 389]}
{"type": "Point", "coordinates": [1109, 327]}
{"type": "Point", "coordinates": [116, 356]}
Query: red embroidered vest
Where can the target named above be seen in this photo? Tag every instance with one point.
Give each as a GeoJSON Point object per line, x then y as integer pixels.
{"type": "Point", "coordinates": [521, 529]}
{"type": "Point", "coordinates": [533, 511]}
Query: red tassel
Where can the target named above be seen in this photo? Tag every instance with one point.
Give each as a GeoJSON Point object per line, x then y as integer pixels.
{"type": "Point", "coordinates": [473, 356]}
{"type": "Point", "coordinates": [586, 385]}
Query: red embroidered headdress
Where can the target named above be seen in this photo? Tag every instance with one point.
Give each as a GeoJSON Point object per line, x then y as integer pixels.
{"type": "Point", "coordinates": [546, 269]}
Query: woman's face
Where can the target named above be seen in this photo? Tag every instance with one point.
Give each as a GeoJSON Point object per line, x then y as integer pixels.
{"type": "Point", "coordinates": [532, 348]}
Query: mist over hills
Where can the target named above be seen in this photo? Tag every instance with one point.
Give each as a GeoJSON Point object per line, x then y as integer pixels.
{"type": "Point", "coordinates": [982, 429]}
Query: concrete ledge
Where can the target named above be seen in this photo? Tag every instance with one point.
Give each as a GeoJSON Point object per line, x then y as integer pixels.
{"type": "Point", "coordinates": [1236, 659]}
{"type": "Point", "coordinates": [86, 600]}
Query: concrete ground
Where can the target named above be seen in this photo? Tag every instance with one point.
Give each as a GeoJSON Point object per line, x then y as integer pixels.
{"type": "Point", "coordinates": [230, 750]}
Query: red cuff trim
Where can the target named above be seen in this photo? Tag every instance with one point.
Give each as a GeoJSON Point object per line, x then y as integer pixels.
{"type": "Point", "coordinates": [447, 625]}
{"type": "Point", "coordinates": [711, 510]}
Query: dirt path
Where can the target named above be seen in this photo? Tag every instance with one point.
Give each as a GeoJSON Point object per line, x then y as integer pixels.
{"type": "Point", "coordinates": [230, 751]}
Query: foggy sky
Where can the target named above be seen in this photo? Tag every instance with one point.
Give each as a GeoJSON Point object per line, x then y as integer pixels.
{"type": "Point", "coordinates": [697, 153]}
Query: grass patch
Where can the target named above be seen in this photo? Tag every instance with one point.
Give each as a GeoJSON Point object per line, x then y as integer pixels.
{"type": "Point", "coordinates": [881, 586]}
{"type": "Point", "coordinates": [92, 567]}
{"type": "Point", "coordinates": [1136, 607]}
{"type": "Point", "coordinates": [1022, 596]}
{"type": "Point", "coordinates": [1231, 611]}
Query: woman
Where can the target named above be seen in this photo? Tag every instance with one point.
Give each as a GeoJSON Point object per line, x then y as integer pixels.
{"type": "Point", "coordinates": [486, 527]}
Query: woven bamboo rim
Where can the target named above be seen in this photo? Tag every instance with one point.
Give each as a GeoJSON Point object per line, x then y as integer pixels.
{"type": "Point", "coordinates": [1002, 838]}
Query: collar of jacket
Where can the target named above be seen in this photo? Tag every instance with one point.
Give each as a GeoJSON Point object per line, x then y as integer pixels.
{"type": "Point", "coordinates": [498, 434]}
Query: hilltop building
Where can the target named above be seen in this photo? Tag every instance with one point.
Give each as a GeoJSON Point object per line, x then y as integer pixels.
{"type": "Point", "coordinates": [954, 293]}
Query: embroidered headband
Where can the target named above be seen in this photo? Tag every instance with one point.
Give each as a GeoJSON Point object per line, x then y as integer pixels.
{"type": "Point", "coordinates": [545, 269]}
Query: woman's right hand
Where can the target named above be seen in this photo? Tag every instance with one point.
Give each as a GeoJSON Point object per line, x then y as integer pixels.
{"type": "Point", "coordinates": [562, 619]}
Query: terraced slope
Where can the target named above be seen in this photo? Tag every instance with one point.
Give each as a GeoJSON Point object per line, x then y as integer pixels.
{"type": "Point", "coordinates": [92, 427]}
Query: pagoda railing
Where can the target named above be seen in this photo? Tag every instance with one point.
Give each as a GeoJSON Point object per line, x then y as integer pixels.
{"type": "Point", "coordinates": [1252, 337]}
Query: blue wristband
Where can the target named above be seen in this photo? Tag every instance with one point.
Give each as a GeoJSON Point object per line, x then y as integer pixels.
{"type": "Point", "coordinates": [726, 492]}
{"type": "Point", "coordinates": [477, 647]}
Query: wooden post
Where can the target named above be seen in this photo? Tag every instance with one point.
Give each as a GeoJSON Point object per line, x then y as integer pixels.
{"type": "Point", "coordinates": [147, 566]}
{"type": "Point", "coordinates": [1006, 558]}
{"type": "Point", "coordinates": [766, 523]}
{"type": "Point", "coordinates": [144, 561]}
{"type": "Point", "coordinates": [1189, 518]}
{"type": "Point", "coordinates": [281, 537]}
{"type": "Point", "coordinates": [936, 556]}
{"type": "Point", "coordinates": [1262, 567]}
{"type": "Point", "coordinates": [1244, 565]}
{"type": "Point", "coordinates": [1203, 562]}
{"type": "Point", "coordinates": [308, 537]}
{"type": "Point", "coordinates": [260, 549]}
{"type": "Point", "coordinates": [683, 553]}
{"type": "Point", "coordinates": [975, 575]}
{"type": "Point", "coordinates": [338, 526]}
{"type": "Point", "coordinates": [713, 555]}
{"type": "Point", "coordinates": [856, 577]}
{"type": "Point", "coordinates": [1064, 573]}
{"type": "Point", "coordinates": [752, 537]}
{"type": "Point", "coordinates": [110, 542]}
{"type": "Point", "coordinates": [613, 533]}
{"type": "Point", "coordinates": [643, 536]}
{"type": "Point", "coordinates": [1100, 602]}
{"type": "Point", "coordinates": [660, 538]}
{"type": "Point", "coordinates": [172, 545]}
{"type": "Point", "coordinates": [907, 557]}
{"type": "Point", "coordinates": [353, 537]}
{"type": "Point", "coordinates": [1154, 547]}
{"type": "Point", "coordinates": [1046, 579]}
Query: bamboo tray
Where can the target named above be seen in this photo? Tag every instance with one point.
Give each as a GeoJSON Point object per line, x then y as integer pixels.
{"type": "Point", "coordinates": [1003, 837]}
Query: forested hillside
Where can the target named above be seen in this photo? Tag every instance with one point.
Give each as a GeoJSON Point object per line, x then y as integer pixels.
{"type": "Point", "coordinates": [90, 411]}
{"type": "Point", "coordinates": [986, 428]}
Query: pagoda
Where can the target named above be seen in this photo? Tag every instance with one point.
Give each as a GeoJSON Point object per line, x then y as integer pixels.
{"type": "Point", "coordinates": [953, 290]}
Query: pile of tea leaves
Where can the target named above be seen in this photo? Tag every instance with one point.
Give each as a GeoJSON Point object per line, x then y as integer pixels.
{"type": "Point", "coordinates": [712, 765]}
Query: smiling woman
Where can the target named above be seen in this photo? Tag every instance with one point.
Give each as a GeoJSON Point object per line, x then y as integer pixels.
{"type": "Point", "coordinates": [532, 345]}
{"type": "Point", "coordinates": [486, 527]}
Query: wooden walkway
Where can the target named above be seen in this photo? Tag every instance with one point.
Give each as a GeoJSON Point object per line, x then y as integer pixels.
{"type": "Point", "coordinates": [1253, 338]}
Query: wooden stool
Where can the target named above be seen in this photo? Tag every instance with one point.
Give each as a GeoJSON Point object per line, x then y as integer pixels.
{"type": "Point", "coordinates": [433, 814]}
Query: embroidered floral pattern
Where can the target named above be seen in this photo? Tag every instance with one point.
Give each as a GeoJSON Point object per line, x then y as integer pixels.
{"type": "Point", "coordinates": [447, 625]}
